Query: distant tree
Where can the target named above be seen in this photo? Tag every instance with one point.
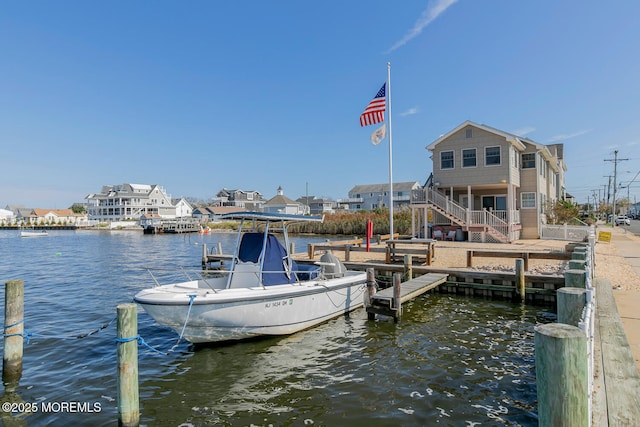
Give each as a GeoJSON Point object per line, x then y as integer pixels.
{"type": "Point", "coordinates": [78, 208]}
{"type": "Point", "coordinates": [196, 202]}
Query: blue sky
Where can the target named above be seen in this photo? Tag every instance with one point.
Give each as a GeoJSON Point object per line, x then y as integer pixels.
{"type": "Point", "coordinates": [200, 95]}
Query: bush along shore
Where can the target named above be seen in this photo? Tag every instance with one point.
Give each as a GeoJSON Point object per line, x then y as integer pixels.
{"type": "Point", "coordinates": [347, 224]}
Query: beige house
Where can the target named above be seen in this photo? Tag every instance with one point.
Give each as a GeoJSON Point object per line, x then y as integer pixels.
{"type": "Point", "coordinates": [491, 184]}
{"type": "Point", "coordinates": [53, 217]}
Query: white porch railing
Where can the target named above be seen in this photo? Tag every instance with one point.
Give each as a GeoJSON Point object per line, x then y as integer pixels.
{"type": "Point", "coordinates": [497, 220]}
{"type": "Point", "coordinates": [446, 204]}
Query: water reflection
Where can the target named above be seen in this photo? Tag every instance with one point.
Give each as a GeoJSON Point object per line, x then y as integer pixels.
{"type": "Point", "coordinates": [451, 359]}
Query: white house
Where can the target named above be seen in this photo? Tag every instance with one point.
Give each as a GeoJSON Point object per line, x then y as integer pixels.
{"type": "Point", "coordinates": [129, 202]}
{"type": "Point", "coordinates": [183, 208]}
{"type": "Point", "coordinates": [6, 217]}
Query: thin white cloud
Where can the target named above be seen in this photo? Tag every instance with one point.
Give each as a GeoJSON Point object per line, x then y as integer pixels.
{"type": "Point", "coordinates": [523, 131]}
{"type": "Point", "coordinates": [434, 9]}
{"type": "Point", "coordinates": [563, 137]}
{"type": "Point", "coordinates": [409, 112]}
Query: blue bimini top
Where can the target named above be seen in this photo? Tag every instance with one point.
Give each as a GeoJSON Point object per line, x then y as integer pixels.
{"type": "Point", "coordinates": [274, 267]}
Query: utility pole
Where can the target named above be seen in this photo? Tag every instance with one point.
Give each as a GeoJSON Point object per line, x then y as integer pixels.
{"type": "Point", "coordinates": [596, 202]}
{"type": "Point", "coordinates": [607, 189]}
{"type": "Point", "coordinates": [615, 161]}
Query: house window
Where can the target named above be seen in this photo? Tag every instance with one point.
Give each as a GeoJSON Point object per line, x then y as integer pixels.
{"type": "Point", "coordinates": [492, 156]}
{"type": "Point", "coordinates": [543, 167]}
{"type": "Point", "coordinates": [497, 203]}
{"type": "Point", "coordinates": [528, 200]}
{"type": "Point", "coordinates": [469, 133]}
{"type": "Point", "coordinates": [469, 158]}
{"type": "Point", "coordinates": [446, 160]}
{"type": "Point", "coordinates": [528, 160]}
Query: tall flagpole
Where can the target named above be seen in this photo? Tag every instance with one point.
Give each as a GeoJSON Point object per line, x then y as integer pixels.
{"type": "Point", "coordinates": [390, 150]}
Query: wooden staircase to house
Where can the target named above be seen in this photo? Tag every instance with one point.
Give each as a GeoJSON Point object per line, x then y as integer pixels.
{"type": "Point", "coordinates": [483, 223]}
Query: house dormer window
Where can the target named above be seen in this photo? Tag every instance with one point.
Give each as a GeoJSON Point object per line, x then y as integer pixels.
{"type": "Point", "coordinates": [492, 156]}
{"type": "Point", "coordinates": [446, 160]}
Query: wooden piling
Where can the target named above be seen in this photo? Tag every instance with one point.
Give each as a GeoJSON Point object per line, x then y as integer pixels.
{"type": "Point", "coordinates": [561, 375]}
{"type": "Point", "coordinates": [397, 303]}
{"type": "Point", "coordinates": [13, 331]}
{"type": "Point", "coordinates": [575, 278]}
{"type": "Point", "coordinates": [575, 264]}
{"type": "Point", "coordinates": [371, 291]}
{"type": "Point", "coordinates": [570, 303]}
{"type": "Point", "coordinates": [408, 266]}
{"type": "Point", "coordinates": [128, 397]}
{"type": "Point", "coordinates": [520, 289]}
{"type": "Point", "coordinates": [579, 256]}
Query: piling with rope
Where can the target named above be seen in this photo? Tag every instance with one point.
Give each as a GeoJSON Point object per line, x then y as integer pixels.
{"type": "Point", "coordinates": [127, 339]}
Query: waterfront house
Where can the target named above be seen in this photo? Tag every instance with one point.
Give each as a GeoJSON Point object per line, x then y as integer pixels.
{"type": "Point", "coordinates": [213, 213]}
{"type": "Point", "coordinates": [246, 200]}
{"type": "Point", "coordinates": [491, 184]}
{"type": "Point", "coordinates": [372, 196]}
{"type": "Point", "coordinates": [150, 221]}
{"type": "Point", "coordinates": [183, 208]}
{"type": "Point", "coordinates": [128, 202]}
{"type": "Point", "coordinates": [7, 217]}
{"type": "Point", "coordinates": [39, 216]}
{"type": "Point", "coordinates": [203, 213]}
{"type": "Point", "coordinates": [282, 204]}
{"type": "Point", "coordinates": [318, 205]}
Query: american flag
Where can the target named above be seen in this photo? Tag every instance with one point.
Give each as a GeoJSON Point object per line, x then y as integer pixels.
{"type": "Point", "coordinates": [374, 113]}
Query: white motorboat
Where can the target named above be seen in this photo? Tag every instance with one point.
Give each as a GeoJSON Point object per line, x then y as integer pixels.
{"type": "Point", "coordinates": [33, 233]}
{"type": "Point", "coordinates": [264, 291]}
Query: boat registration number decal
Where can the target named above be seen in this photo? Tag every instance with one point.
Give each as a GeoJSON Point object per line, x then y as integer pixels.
{"type": "Point", "coordinates": [280, 303]}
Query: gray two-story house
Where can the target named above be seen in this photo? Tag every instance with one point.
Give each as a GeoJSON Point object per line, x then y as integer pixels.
{"type": "Point", "coordinates": [372, 196]}
{"type": "Point", "coordinates": [491, 184]}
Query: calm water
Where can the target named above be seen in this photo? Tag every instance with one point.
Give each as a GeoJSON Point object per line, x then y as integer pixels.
{"type": "Point", "coordinates": [450, 361]}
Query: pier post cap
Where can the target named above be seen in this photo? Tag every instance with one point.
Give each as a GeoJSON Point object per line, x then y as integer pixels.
{"type": "Point", "coordinates": [570, 290]}
{"type": "Point", "coordinates": [559, 330]}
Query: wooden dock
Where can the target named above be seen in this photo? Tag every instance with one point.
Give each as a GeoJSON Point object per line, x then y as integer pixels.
{"type": "Point", "coordinates": [616, 400]}
{"type": "Point", "coordinates": [526, 256]}
{"type": "Point", "coordinates": [389, 301]}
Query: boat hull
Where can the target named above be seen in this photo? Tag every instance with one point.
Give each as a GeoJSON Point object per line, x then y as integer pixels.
{"type": "Point", "coordinates": [33, 234]}
{"type": "Point", "coordinates": [235, 314]}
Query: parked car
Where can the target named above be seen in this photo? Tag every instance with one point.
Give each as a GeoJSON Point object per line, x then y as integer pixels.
{"type": "Point", "coordinates": [623, 220]}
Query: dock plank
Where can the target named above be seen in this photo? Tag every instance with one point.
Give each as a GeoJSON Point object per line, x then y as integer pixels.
{"type": "Point", "coordinates": [382, 301]}
{"type": "Point", "coordinates": [621, 377]}
{"type": "Point", "coordinates": [414, 287]}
